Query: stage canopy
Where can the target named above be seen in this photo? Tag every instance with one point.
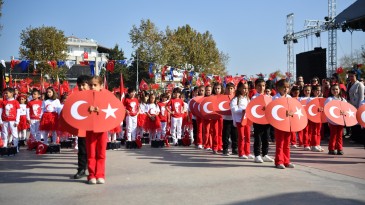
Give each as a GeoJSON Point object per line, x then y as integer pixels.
{"type": "Point", "coordinates": [353, 17]}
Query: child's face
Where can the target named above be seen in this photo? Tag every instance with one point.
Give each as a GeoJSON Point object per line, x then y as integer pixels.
{"type": "Point", "coordinates": [201, 91]}
{"type": "Point", "coordinates": [164, 99]}
{"type": "Point", "coordinates": [35, 95]}
{"type": "Point", "coordinates": [230, 91]}
{"type": "Point", "coordinates": [84, 86]}
{"type": "Point", "coordinates": [284, 90]}
{"type": "Point", "coordinates": [307, 91]}
{"type": "Point", "coordinates": [132, 94]}
{"type": "Point", "coordinates": [95, 85]}
{"type": "Point", "coordinates": [267, 92]}
{"type": "Point", "coordinates": [152, 99]}
{"type": "Point", "coordinates": [8, 95]}
{"type": "Point", "coordinates": [23, 100]}
{"type": "Point", "coordinates": [217, 90]}
{"type": "Point", "coordinates": [317, 92]}
{"type": "Point", "coordinates": [295, 93]}
{"type": "Point", "coordinates": [244, 89]}
{"type": "Point", "coordinates": [335, 90]}
{"type": "Point", "coordinates": [208, 91]}
{"type": "Point", "coordinates": [16, 91]}
{"type": "Point", "coordinates": [49, 93]}
{"type": "Point", "coordinates": [260, 87]}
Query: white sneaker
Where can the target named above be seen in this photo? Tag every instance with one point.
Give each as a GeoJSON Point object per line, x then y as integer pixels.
{"type": "Point", "coordinates": [320, 148]}
{"type": "Point", "coordinates": [92, 181]}
{"type": "Point", "coordinates": [243, 157]}
{"type": "Point", "coordinates": [280, 166]}
{"type": "Point", "coordinates": [208, 149]}
{"type": "Point", "coordinates": [316, 149]}
{"type": "Point", "coordinates": [307, 148]}
{"type": "Point", "coordinates": [258, 159]}
{"type": "Point", "coordinates": [250, 156]}
{"type": "Point", "coordinates": [267, 158]}
{"type": "Point", "coordinates": [100, 181]}
{"type": "Point", "coordinates": [200, 146]}
{"type": "Point", "coordinates": [294, 146]}
{"type": "Point", "coordinates": [290, 165]}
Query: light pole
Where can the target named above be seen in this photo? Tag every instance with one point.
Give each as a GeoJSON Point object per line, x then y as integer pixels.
{"type": "Point", "coordinates": [137, 71]}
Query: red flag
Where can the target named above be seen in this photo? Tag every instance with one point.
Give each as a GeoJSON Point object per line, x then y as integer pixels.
{"type": "Point", "coordinates": [86, 55]}
{"type": "Point", "coordinates": [155, 86]}
{"type": "Point", "coordinates": [198, 82]}
{"type": "Point", "coordinates": [143, 85]}
{"type": "Point", "coordinates": [110, 66]}
{"type": "Point", "coordinates": [171, 86]}
{"type": "Point", "coordinates": [10, 82]}
{"type": "Point", "coordinates": [121, 87]}
{"type": "Point", "coordinates": [13, 63]}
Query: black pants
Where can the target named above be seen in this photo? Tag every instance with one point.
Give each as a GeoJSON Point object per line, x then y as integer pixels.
{"type": "Point", "coordinates": [195, 131]}
{"type": "Point", "coordinates": [81, 155]}
{"type": "Point", "coordinates": [229, 131]}
{"type": "Point", "coordinates": [261, 137]}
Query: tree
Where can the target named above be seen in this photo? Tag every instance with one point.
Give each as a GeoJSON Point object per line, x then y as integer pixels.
{"type": "Point", "coordinates": [44, 44]}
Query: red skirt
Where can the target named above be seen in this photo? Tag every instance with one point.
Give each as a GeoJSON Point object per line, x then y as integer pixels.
{"type": "Point", "coordinates": [23, 125]}
{"type": "Point", "coordinates": [141, 118]}
{"type": "Point", "coordinates": [49, 121]}
{"type": "Point", "coordinates": [151, 124]}
{"type": "Point", "coordinates": [116, 130]}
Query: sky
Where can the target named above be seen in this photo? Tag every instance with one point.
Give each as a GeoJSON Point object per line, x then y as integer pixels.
{"type": "Point", "coordinates": [250, 32]}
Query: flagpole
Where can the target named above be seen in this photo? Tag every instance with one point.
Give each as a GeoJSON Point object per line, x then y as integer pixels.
{"type": "Point", "coordinates": [137, 72]}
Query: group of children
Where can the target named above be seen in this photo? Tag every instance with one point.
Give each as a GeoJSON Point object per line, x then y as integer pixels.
{"type": "Point", "coordinates": [168, 114]}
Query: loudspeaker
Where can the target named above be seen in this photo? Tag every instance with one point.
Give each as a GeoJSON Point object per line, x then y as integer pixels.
{"type": "Point", "coordinates": [312, 63]}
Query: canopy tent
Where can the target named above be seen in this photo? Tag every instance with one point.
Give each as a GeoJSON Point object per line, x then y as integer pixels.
{"type": "Point", "coordinates": [352, 17]}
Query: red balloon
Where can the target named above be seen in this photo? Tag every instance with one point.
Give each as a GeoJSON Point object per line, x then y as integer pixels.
{"type": "Point", "coordinates": [315, 110]}
{"type": "Point", "coordinates": [360, 115]}
{"type": "Point", "coordinates": [255, 110]}
{"type": "Point", "coordinates": [286, 114]}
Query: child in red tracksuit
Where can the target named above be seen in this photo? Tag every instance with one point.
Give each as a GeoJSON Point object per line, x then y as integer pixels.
{"type": "Point", "coordinates": [304, 134]}
{"type": "Point", "coordinates": [238, 108]}
{"type": "Point", "coordinates": [336, 131]}
{"type": "Point", "coordinates": [208, 125]}
{"type": "Point", "coordinates": [217, 138]}
{"type": "Point", "coordinates": [315, 128]}
{"type": "Point", "coordinates": [199, 122]}
{"type": "Point", "coordinates": [96, 144]}
{"type": "Point", "coordinates": [282, 138]}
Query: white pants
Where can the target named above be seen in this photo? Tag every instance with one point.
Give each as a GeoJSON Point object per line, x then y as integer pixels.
{"type": "Point", "coordinates": [34, 129]}
{"type": "Point", "coordinates": [22, 134]}
{"type": "Point", "coordinates": [162, 130]}
{"type": "Point", "coordinates": [176, 124]}
{"type": "Point", "coordinates": [154, 135]}
{"type": "Point", "coordinates": [44, 135]}
{"type": "Point", "coordinates": [8, 126]}
{"type": "Point", "coordinates": [131, 127]}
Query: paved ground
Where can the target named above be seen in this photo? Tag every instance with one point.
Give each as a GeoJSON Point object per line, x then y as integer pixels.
{"type": "Point", "coordinates": [184, 175]}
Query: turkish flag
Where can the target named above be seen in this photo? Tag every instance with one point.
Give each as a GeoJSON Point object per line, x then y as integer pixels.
{"type": "Point", "coordinates": [255, 110]}
{"type": "Point", "coordinates": [41, 148]}
{"type": "Point", "coordinates": [207, 106]}
{"type": "Point", "coordinates": [143, 85]}
{"type": "Point", "coordinates": [360, 115]}
{"type": "Point", "coordinates": [110, 65]}
{"type": "Point", "coordinates": [315, 110]}
{"type": "Point", "coordinates": [110, 111]}
{"type": "Point", "coordinates": [195, 106]}
{"type": "Point", "coordinates": [222, 104]}
{"type": "Point", "coordinates": [286, 114]}
{"type": "Point", "coordinates": [86, 55]}
{"type": "Point", "coordinates": [341, 113]}
{"type": "Point", "coordinates": [64, 126]}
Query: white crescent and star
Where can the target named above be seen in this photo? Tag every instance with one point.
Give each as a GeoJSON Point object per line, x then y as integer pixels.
{"type": "Point", "coordinates": [74, 110]}
{"type": "Point", "coordinates": [310, 111]}
{"type": "Point", "coordinates": [331, 110]}
{"type": "Point", "coordinates": [109, 112]}
{"type": "Point", "coordinates": [298, 112]}
{"type": "Point", "coordinates": [274, 112]}
{"type": "Point", "coordinates": [254, 113]}
{"type": "Point", "coordinates": [351, 113]}
{"type": "Point", "coordinates": [220, 106]}
{"type": "Point", "coordinates": [205, 108]}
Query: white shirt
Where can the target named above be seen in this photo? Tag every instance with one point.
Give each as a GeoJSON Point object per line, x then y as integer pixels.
{"type": "Point", "coordinates": [237, 108]}
{"type": "Point", "coordinates": [51, 106]}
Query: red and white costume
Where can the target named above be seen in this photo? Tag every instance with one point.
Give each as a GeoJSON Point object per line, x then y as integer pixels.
{"type": "Point", "coordinates": [304, 135]}
{"type": "Point", "coordinates": [152, 123]}
{"type": "Point", "coordinates": [22, 126]}
{"type": "Point", "coordinates": [49, 120]}
{"type": "Point", "coordinates": [238, 107]}
{"type": "Point", "coordinates": [34, 113]}
{"type": "Point", "coordinates": [176, 107]}
{"type": "Point", "coordinates": [9, 111]}
{"type": "Point", "coordinates": [132, 106]}
{"type": "Point", "coordinates": [163, 115]}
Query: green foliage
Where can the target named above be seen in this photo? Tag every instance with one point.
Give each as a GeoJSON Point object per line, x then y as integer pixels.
{"type": "Point", "coordinates": [44, 44]}
{"type": "Point", "coordinates": [116, 54]}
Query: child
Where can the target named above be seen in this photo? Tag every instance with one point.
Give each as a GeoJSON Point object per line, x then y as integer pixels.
{"type": "Point", "coordinates": [49, 122]}
{"type": "Point", "coordinates": [82, 84]}
{"type": "Point", "coordinates": [261, 132]}
{"type": "Point", "coordinates": [132, 110]}
{"type": "Point", "coordinates": [229, 130]}
{"type": "Point", "coordinates": [152, 124]}
{"type": "Point", "coordinates": [10, 114]}
{"type": "Point", "coordinates": [193, 94]}
{"type": "Point", "coordinates": [336, 131]}
{"type": "Point", "coordinates": [294, 93]}
{"type": "Point", "coordinates": [163, 115]}
{"type": "Point", "coordinates": [118, 129]}
{"type": "Point", "coordinates": [23, 126]}
{"type": "Point", "coordinates": [238, 108]}
{"type": "Point", "coordinates": [96, 143]}
{"type": "Point", "coordinates": [282, 138]}
{"type": "Point", "coordinates": [207, 125]}
{"type": "Point", "coordinates": [199, 122]}
{"type": "Point", "coordinates": [315, 128]}
{"type": "Point", "coordinates": [176, 109]}
{"type": "Point", "coordinates": [34, 113]}
{"type": "Point", "coordinates": [305, 133]}
{"type": "Point", "coordinates": [218, 124]}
